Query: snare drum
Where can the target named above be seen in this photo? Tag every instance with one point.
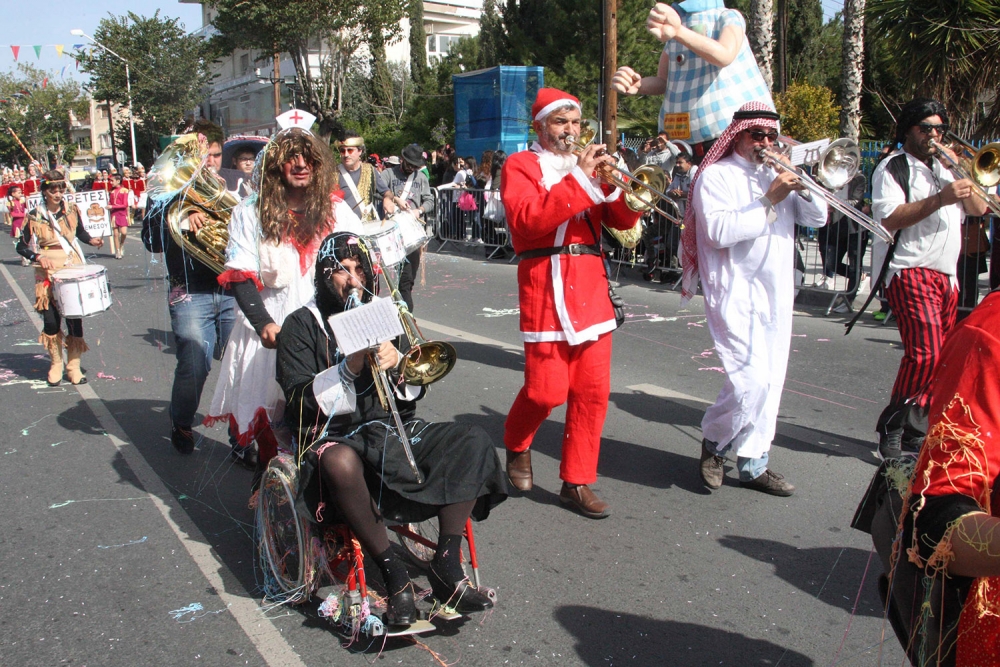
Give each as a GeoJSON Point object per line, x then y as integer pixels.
{"type": "Point", "coordinates": [81, 291]}
{"type": "Point", "coordinates": [387, 240]}
{"type": "Point", "coordinates": [412, 229]}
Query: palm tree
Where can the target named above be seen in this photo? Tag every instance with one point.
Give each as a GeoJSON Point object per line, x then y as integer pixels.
{"type": "Point", "coordinates": [852, 68]}
{"type": "Point", "coordinates": [948, 50]}
{"type": "Point", "coordinates": [761, 36]}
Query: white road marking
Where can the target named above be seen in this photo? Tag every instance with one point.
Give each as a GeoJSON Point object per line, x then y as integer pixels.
{"type": "Point", "coordinates": [268, 640]}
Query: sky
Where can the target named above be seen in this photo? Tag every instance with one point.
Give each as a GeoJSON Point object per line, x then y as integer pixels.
{"type": "Point", "coordinates": [48, 22]}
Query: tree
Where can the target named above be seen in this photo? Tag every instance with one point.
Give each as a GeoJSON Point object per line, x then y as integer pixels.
{"type": "Point", "coordinates": [418, 42]}
{"type": "Point", "coordinates": [168, 70]}
{"type": "Point", "coordinates": [807, 112]}
{"type": "Point", "coordinates": [520, 33]}
{"type": "Point", "coordinates": [38, 108]}
{"type": "Point", "coordinates": [302, 28]}
{"type": "Point", "coordinates": [852, 68]}
{"type": "Point", "coordinates": [945, 49]}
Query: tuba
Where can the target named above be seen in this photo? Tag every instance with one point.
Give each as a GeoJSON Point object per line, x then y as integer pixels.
{"type": "Point", "coordinates": [179, 169]}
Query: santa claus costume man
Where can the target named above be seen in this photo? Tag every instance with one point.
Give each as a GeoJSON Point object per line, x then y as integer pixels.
{"type": "Point", "coordinates": [555, 207]}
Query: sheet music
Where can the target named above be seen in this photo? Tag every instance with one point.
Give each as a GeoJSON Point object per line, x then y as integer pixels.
{"type": "Point", "coordinates": [366, 326]}
{"type": "Point", "coordinates": [808, 153]}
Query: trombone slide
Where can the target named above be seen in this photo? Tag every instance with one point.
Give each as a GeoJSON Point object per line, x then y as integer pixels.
{"type": "Point", "coordinates": [773, 160]}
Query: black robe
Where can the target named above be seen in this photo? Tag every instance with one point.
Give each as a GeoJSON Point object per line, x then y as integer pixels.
{"type": "Point", "coordinates": [458, 461]}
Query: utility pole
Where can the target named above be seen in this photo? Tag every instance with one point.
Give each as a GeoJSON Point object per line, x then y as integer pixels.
{"type": "Point", "coordinates": [609, 115]}
{"type": "Point", "coordinates": [111, 132]}
{"type": "Point", "coordinates": [276, 78]}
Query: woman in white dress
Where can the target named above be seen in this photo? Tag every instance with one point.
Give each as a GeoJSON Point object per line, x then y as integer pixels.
{"type": "Point", "coordinates": [270, 262]}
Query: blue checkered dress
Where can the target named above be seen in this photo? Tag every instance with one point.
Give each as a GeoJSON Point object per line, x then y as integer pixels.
{"type": "Point", "coordinates": [710, 94]}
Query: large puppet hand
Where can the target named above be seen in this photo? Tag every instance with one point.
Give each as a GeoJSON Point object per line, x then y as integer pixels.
{"type": "Point", "coordinates": [663, 22]}
{"type": "Point", "coordinates": [626, 81]}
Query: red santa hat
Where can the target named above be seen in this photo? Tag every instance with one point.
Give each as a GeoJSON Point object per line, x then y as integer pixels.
{"type": "Point", "coordinates": [550, 99]}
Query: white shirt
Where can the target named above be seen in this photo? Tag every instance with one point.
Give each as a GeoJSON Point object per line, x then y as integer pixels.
{"type": "Point", "coordinates": [933, 243]}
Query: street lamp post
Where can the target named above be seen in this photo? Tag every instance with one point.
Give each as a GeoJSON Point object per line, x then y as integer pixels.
{"type": "Point", "coordinates": [128, 87]}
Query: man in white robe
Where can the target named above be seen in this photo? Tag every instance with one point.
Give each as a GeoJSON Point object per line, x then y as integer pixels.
{"type": "Point", "coordinates": [740, 238]}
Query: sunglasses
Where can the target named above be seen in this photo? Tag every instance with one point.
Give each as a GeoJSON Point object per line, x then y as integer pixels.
{"type": "Point", "coordinates": [927, 128]}
{"type": "Point", "coordinates": [348, 149]}
{"type": "Point", "coordinates": [759, 135]}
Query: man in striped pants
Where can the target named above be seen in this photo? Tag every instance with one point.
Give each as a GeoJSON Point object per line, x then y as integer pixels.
{"type": "Point", "coordinates": [915, 196]}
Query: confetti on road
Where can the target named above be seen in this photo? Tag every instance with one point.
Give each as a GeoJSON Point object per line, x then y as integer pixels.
{"type": "Point", "coordinates": [193, 609]}
{"type": "Point", "coordinates": [491, 312]}
{"type": "Point", "coordinates": [127, 544]}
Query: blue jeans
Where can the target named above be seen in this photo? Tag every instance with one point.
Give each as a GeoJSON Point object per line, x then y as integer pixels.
{"type": "Point", "coordinates": [201, 324]}
{"type": "Point", "coordinates": [750, 469]}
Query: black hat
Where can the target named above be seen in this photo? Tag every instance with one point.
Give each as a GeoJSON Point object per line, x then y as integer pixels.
{"type": "Point", "coordinates": [414, 155]}
{"type": "Point", "coordinates": [341, 245]}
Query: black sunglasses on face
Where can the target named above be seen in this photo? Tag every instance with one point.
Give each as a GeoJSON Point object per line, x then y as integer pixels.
{"type": "Point", "coordinates": [927, 128]}
{"type": "Point", "coordinates": [758, 135]}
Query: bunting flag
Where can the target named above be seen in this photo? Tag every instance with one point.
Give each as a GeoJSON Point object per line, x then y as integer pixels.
{"type": "Point", "coordinates": [62, 74]}
{"type": "Point", "coordinates": [38, 51]}
{"type": "Point", "coordinates": [16, 50]}
{"type": "Point", "coordinates": [45, 83]}
{"type": "Point", "coordinates": [77, 63]}
{"type": "Point", "coordinates": [59, 49]}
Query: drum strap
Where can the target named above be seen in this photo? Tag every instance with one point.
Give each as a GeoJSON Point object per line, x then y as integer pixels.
{"type": "Point", "coordinates": [68, 245]}
{"type": "Point", "coordinates": [366, 210]}
{"type": "Point", "coordinates": [408, 186]}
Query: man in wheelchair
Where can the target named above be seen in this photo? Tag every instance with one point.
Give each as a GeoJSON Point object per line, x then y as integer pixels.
{"type": "Point", "coordinates": [352, 465]}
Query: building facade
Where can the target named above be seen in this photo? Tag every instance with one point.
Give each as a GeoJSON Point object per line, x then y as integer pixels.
{"type": "Point", "coordinates": [242, 97]}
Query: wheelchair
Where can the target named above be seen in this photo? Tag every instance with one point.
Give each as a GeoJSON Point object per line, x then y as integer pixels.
{"type": "Point", "coordinates": [298, 557]}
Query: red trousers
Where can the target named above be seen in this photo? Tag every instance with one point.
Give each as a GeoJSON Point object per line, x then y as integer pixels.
{"type": "Point", "coordinates": [557, 373]}
{"type": "Point", "coordinates": [924, 303]}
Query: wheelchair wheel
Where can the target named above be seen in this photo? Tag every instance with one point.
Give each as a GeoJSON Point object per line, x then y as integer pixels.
{"type": "Point", "coordinates": [284, 539]}
{"type": "Point", "coordinates": [421, 553]}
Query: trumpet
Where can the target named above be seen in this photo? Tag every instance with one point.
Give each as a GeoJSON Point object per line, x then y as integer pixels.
{"type": "Point", "coordinates": [643, 189]}
{"type": "Point", "coordinates": [983, 168]}
{"type": "Point", "coordinates": [835, 167]}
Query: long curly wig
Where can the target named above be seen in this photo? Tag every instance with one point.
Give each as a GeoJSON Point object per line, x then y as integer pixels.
{"type": "Point", "coordinates": [276, 221]}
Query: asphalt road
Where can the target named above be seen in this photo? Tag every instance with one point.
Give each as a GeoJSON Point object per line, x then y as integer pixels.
{"type": "Point", "coordinates": [119, 551]}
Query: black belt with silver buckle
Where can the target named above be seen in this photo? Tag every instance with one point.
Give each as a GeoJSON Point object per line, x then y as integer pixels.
{"type": "Point", "coordinates": [571, 249]}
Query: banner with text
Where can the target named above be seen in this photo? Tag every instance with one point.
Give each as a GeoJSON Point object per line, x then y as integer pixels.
{"type": "Point", "coordinates": [92, 206]}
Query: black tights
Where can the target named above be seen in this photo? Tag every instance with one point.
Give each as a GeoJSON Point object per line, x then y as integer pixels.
{"type": "Point", "coordinates": [344, 474]}
{"type": "Point", "coordinates": [51, 320]}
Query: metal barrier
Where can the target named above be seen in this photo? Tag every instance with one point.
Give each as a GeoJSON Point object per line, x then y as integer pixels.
{"type": "Point", "coordinates": [835, 262]}
{"type": "Point", "coordinates": [452, 224]}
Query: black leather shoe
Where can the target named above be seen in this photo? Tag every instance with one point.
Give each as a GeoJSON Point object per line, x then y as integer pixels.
{"type": "Point", "coordinates": [400, 608]}
{"type": "Point", "coordinates": [461, 597]}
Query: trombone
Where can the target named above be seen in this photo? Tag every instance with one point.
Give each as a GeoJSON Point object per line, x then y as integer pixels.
{"type": "Point", "coordinates": [424, 363]}
{"type": "Point", "coordinates": [983, 168]}
{"type": "Point", "coordinates": [643, 189]}
{"type": "Point", "coordinates": [836, 167]}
